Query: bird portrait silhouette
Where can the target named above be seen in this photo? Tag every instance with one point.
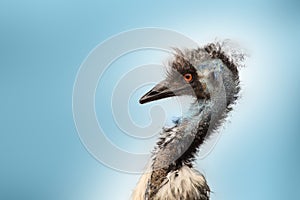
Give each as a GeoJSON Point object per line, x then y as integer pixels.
{"type": "Point", "coordinates": [210, 76]}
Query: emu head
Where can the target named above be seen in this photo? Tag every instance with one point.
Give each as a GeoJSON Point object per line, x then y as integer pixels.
{"type": "Point", "coordinates": [203, 73]}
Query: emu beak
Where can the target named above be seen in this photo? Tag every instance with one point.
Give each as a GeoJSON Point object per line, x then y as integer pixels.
{"type": "Point", "coordinates": [160, 91]}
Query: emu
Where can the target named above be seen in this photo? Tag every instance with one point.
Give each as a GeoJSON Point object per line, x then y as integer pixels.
{"type": "Point", "coordinates": [211, 78]}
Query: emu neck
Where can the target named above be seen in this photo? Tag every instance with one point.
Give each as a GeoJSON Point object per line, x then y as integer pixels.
{"type": "Point", "coordinates": [178, 145]}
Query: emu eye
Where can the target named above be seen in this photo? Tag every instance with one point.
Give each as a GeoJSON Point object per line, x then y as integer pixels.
{"type": "Point", "coordinates": [188, 77]}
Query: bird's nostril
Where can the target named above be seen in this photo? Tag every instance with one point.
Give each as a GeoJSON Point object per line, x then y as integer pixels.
{"type": "Point", "coordinates": [153, 93]}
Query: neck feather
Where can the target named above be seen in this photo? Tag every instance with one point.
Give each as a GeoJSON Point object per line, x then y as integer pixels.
{"type": "Point", "coordinates": [179, 145]}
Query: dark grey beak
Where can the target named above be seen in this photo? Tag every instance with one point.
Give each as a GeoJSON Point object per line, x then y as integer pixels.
{"type": "Point", "coordinates": [160, 91]}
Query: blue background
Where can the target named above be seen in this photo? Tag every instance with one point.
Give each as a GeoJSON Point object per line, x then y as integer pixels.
{"type": "Point", "coordinates": [43, 43]}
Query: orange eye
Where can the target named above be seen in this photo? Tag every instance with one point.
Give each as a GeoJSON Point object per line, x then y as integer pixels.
{"type": "Point", "coordinates": [188, 77]}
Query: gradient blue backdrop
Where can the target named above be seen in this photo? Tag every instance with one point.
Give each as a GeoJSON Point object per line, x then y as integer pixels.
{"type": "Point", "coordinates": [43, 43]}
